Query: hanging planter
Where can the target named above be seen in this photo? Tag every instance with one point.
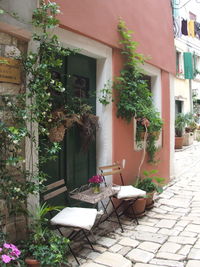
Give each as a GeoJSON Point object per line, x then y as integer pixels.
{"type": "Point", "coordinates": [90, 124]}
{"type": "Point", "coordinates": [56, 134]}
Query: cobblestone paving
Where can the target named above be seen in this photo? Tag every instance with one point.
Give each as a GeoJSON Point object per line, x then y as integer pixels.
{"type": "Point", "coordinates": [167, 236]}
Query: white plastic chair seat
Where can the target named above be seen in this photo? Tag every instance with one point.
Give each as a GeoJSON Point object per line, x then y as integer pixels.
{"type": "Point", "coordinates": [75, 217]}
{"type": "Point", "coordinates": [128, 191]}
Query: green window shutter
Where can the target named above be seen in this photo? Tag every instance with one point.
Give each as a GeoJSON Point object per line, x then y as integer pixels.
{"type": "Point", "coordinates": [188, 65]}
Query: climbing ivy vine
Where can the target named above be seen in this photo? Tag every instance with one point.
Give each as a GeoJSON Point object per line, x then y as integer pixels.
{"type": "Point", "coordinates": [134, 98]}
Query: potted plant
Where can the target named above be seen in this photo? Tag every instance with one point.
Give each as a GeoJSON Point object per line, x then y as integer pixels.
{"type": "Point", "coordinates": [190, 128]}
{"type": "Point", "coordinates": [49, 250]}
{"type": "Point", "coordinates": [151, 184]}
{"type": "Point", "coordinates": [180, 123]}
{"type": "Point", "coordinates": [95, 181]}
{"type": "Point", "coordinates": [44, 247]}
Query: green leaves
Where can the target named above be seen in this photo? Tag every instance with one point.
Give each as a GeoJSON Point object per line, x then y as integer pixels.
{"type": "Point", "coordinates": [106, 94]}
{"type": "Point", "coordinates": [134, 98]}
{"type": "Point", "coordinates": [44, 244]}
{"type": "Point", "coordinates": [150, 182]}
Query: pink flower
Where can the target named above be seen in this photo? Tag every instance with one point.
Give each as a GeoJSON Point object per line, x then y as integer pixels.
{"type": "Point", "coordinates": [15, 251]}
{"type": "Point", "coordinates": [6, 245]}
{"type": "Point", "coordinates": [145, 122]}
{"type": "Point", "coordinates": [96, 179]}
{"type": "Point", "coordinates": [5, 258]}
{"type": "Point", "coordinates": [9, 252]}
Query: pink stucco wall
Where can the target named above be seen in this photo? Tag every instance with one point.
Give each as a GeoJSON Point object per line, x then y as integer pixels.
{"type": "Point", "coordinates": [151, 21]}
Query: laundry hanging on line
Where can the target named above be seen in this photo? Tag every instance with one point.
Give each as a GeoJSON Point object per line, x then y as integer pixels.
{"type": "Point", "coordinates": [186, 27]}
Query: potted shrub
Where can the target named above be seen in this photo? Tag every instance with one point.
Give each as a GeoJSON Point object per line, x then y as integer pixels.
{"type": "Point", "coordinates": [49, 250]}
{"type": "Point", "coordinates": [151, 184]}
{"type": "Point", "coordinates": [180, 123]}
{"type": "Point", "coordinates": [44, 247]}
{"type": "Point", "coordinates": [190, 128]}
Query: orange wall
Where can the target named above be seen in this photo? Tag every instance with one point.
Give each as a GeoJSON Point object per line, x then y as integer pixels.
{"type": "Point", "coordinates": [151, 21]}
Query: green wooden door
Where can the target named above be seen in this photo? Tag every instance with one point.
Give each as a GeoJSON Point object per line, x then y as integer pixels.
{"type": "Point", "coordinates": [75, 164]}
{"type": "Point", "coordinates": [81, 164]}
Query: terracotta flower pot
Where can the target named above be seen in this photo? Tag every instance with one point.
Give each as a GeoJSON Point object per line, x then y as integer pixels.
{"type": "Point", "coordinates": [178, 142]}
{"type": "Point", "coordinates": [149, 200]}
{"type": "Point", "coordinates": [32, 262]}
{"type": "Point", "coordinates": [139, 206]}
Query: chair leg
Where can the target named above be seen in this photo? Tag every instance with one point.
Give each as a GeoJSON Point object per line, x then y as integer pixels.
{"type": "Point", "coordinates": [71, 250]}
{"type": "Point", "coordinates": [134, 215]}
{"type": "Point", "coordinates": [87, 239]}
{"type": "Point", "coordinates": [74, 234]}
{"type": "Point", "coordinates": [73, 254]}
{"type": "Point", "coordinates": [117, 215]}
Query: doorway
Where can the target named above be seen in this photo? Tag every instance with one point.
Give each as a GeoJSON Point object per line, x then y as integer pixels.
{"type": "Point", "coordinates": [75, 164]}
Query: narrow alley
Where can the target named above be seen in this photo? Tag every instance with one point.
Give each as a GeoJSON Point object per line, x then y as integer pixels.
{"type": "Point", "coordinates": [168, 235]}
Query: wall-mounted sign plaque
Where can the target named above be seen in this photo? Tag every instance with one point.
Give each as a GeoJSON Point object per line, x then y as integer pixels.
{"type": "Point", "coordinates": [9, 70]}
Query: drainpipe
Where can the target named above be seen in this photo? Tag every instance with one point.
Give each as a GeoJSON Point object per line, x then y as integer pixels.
{"type": "Point", "coordinates": [190, 92]}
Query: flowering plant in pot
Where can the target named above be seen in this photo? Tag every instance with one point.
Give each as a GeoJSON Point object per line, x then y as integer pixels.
{"type": "Point", "coordinates": [95, 181]}
{"type": "Point", "coordinates": [9, 254]}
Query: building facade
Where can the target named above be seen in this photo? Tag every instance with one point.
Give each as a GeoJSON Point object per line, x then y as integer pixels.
{"type": "Point", "coordinates": [92, 28]}
{"type": "Point", "coordinates": [95, 24]}
{"type": "Point", "coordinates": [187, 82]}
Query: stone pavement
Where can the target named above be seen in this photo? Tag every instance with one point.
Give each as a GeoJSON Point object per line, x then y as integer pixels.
{"type": "Point", "coordinates": [167, 236]}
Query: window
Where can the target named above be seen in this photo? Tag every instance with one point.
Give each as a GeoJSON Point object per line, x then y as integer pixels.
{"type": "Point", "coordinates": [147, 78]}
{"type": "Point", "coordinates": [178, 106]}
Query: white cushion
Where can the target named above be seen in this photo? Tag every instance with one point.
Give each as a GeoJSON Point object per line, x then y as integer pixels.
{"type": "Point", "coordinates": [128, 191]}
{"type": "Point", "coordinates": [76, 217]}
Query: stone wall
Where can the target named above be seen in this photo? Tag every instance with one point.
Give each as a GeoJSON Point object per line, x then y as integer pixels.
{"type": "Point", "coordinates": [10, 47]}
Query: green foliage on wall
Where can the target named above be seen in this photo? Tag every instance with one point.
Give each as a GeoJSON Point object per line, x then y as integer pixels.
{"type": "Point", "coordinates": [134, 98]}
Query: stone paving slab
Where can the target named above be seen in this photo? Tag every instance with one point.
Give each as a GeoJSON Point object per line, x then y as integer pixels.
{"type": "Point", "coordinates": [149, 246]}
{"type": "Point", "coordinates": [113, 260]}
{"type": "Point", "coordinates": [169, 263]}
{"type": "Point", "coordinates": [170, 247]}
{"type": "Point", "coordinates": [193, 263]}
{"type": "Point", "coordinates": [139, 255]}
{"type": "Point", "coordinates": [167, 236]}
{"type": "Point", "coordinates": [145, 265]}
{"type": "Point", "coordinates": [126, 241]}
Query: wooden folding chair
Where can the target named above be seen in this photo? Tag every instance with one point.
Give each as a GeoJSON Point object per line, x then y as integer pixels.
{"type": "Point", "coordinates": [78, 219]}
{"type": "Point", "coordinates": [127, 193]}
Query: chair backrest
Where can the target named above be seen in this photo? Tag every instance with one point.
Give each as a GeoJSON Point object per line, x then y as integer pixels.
{"type": "Point", "coordinates": [115, 168]}
{"type": "Point", "coordinates": [54, 189]}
